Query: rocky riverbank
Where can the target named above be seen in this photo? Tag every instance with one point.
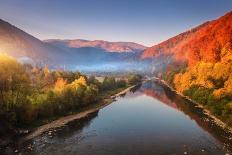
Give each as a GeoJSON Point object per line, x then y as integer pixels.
{"type": "Point", "coordinates": [217, 121]}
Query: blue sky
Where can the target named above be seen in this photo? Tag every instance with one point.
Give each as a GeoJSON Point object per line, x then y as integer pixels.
{"type": "Point", "coordinates": [143, 21]}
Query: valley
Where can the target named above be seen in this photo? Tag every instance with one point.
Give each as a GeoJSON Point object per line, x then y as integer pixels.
{"type": "Point", "coordinates": [109, 97]}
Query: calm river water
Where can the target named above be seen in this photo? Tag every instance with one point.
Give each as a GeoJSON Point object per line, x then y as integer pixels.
{"type": "Point", "coordinates": [148, 120]}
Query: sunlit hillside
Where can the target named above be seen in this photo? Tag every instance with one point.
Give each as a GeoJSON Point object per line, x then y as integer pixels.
{"type": "Point", "coordinates": [207, 51]}
{"type": "Point", "coordinates": [206, 42]}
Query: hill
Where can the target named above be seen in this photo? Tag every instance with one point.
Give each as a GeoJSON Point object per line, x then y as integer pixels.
{"type": "Point", "coordinates": [104, 45]}
{"type": "Point", "coordinates": [20, 44]}
{"type": "Point", "coordinates": [200, 65]}
{"type": "Point", "coordinates": [203, 43]}
{"type": "Point", "coordinates": [73, 54]}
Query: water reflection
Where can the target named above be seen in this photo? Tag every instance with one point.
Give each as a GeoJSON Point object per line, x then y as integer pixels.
{"type": "Point", "coordinates": [197, 114]}
{"type": "Point", "coordinates": [169, 98]}
{"type": "Point", "coordinates": [148, 120]}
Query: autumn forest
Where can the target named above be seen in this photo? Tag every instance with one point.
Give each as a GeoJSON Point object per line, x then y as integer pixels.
{"type": "Point", "coordinates": [69, 85]}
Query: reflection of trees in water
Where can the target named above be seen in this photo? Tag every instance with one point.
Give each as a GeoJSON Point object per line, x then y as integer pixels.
{"type": "Point", "coordinates": [134, 89]}
{"type": "Point", "coordinates": [157, 92]}
{"type": "Point", "coordinates": [166, 96]}
{"type": "Point", "coordinates": [76, 126]}
{"type": "Point", "coordinates": [122, 95]}
{"type": "Point", "coordinates": [197, 114]}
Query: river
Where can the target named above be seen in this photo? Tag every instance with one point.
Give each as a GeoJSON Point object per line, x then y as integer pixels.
{"type": "Point", "coordinates": [148, 120]}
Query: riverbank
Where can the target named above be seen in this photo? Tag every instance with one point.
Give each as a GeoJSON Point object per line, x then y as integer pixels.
{"type": "Point", "coordinates": [216, 120]}
{"type": "Point", "coordinates": [132, 120]}
{"type": "Point", "coordinates": [66, 119]}
{"type": "Point", "coordinates": [123, 92]}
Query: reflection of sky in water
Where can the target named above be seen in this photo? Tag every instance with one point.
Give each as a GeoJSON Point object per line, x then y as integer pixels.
{"type": "Point", "coordinates": [135, 124]}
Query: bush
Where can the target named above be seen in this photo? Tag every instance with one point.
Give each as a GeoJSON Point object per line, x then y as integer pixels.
{"type": "Point", "coordinates": [109, 83]}
{"type": "Point", "coordinates": [121, 83]}
{"type": "Point", "coordinates": [134, 79]}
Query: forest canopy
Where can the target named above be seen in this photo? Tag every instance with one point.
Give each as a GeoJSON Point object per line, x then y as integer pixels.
{"type": "Point", "coordinates": [209, 83]}
{"type": "Point", "coordinates": [29, 93]}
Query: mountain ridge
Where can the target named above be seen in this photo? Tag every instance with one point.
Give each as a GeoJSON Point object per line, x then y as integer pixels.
{"type": "Point", "coordinates": [18, 43]}
{"type": "Point", "coordinates": [109, 46]}
{"type": "Point", "coordinates": [199, 43]}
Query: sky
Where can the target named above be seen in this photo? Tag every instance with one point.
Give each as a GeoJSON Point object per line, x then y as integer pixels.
{"type": "Point", "coordinates": [147, 22]}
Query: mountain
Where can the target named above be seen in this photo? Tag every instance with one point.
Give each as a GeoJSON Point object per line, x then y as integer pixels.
{"type": "Point", "coordinates": [22, 45]}
{"type": "Point", "coordinates": [103, 55]}
{"type": "Point", "coordinates": [198, 64]}
{"type": "Point", "coordinates": [203, 43]}
{"type": "Point", "coordinates": [73, 54]}
{"type": "Point", "coordinates": [104, 45]}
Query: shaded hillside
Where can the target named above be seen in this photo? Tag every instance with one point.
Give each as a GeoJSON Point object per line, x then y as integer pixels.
{"type": "Point", "coordinates": [69, 54]}
{"type": "Point", "coordinates": [20, 44]}
{"type": "Point", "coordinates": [203, 43]}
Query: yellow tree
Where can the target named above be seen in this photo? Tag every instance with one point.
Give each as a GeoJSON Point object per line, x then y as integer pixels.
{"type": "Point", "coordinates": [77, 82]}
{"type": "Point", "coordinates": [60, 84]}
{"type": "Point", "coordinates": [82, 81]}
{"type": "Point", "coordinates": [46, 71]}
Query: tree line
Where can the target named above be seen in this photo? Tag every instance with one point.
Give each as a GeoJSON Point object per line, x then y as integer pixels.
{"type": "Point", "coordinates": [29, 93]}
{"type": "Point", "coordinates": [207, 83]}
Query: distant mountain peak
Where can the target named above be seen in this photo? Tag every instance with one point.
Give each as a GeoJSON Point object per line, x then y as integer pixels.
{"type": "Point", "coordinates": [105, 45]}
{"type": "Point", "coordinates": [74, 54]}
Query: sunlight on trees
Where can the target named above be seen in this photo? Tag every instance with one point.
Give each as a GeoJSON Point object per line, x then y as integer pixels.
{"type": "Point", "coordinates": [29, 93]}
{"type": "Point", "coordinates": [60, 84]}
{"type": "Point", "coordinates": [210, 84]}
